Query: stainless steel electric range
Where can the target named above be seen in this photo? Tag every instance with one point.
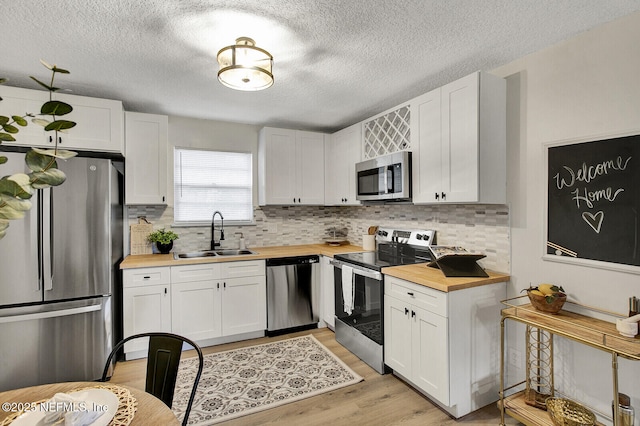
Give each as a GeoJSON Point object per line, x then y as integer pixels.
{"type": "Point", "coordinates": [359, 289]}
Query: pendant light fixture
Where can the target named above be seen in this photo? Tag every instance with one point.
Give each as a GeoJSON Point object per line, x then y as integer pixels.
{"type": "Point", "coordinates": [244, 66]}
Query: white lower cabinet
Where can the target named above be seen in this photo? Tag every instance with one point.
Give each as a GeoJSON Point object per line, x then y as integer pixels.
{"type": "Point", "coordinates": [196, 301]}
{"type": "Point", "coordinates": [244, 305]}
{"type": "Point", "coordinates": [447, 345]}
{"type": "Point", "coordinates": [414, 340]}
{"type": "Point", "coordinates": [209, 303]}
{"type": "Point", "coordinates": [327, 292]}
{"type": "Point", "coordinates": [147, 304]}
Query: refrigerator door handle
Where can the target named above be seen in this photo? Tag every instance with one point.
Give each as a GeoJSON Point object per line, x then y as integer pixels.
{"type": "Point", "coordinates": [47, 248]}
{"type": "Point", "coordinates": [50, 314]}
{"type": "Point", "coordinates": [33, 246]}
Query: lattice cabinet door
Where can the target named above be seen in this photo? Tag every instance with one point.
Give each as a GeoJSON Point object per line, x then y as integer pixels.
{"type": "Point", "coordinates": [387, 133]}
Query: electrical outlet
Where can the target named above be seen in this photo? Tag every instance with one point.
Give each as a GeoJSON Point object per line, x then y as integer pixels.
{"type": "Point", "coordinates": [515, 358]}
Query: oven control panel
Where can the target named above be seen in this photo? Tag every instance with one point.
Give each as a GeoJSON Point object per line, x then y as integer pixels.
{"type": "Point", "coordinates": [415, 237]}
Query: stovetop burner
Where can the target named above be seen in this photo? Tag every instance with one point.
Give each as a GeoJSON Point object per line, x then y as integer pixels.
{"type": "Point", "coordinates": [374, 260]}
{"type": "Point", "coordinates": [394, 248]}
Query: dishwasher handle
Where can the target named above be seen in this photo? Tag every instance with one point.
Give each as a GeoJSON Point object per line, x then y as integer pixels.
{"type": "Point", "coordinates": [294, 260]}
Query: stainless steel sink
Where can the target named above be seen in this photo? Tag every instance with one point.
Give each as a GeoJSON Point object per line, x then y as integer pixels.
{"type": "Point", "coordinates": [234, 252]}
{"type": "Point", "coordinates": [212, 253]}
{"type": "Point", "coordinates": [194, 254]}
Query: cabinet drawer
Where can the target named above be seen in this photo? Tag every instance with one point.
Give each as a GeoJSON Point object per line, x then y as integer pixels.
{"type": "Point", "coordinates": [145, 276]}
{"type": "Point", "coordinates": [422, 297]}
{"type": "Point", "coordinates": [249, 268]}
{"type": "Point", "coordinates": [189, 273]}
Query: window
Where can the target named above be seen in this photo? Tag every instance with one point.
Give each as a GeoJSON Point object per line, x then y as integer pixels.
{"type": "Point", "coordinates": [206, 181]}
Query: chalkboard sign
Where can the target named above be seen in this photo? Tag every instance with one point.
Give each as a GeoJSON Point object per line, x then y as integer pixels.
{"type": "Point", "coordinates": [594, 200]}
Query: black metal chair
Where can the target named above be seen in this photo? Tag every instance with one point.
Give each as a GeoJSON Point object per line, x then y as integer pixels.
{"type": "Point", "coordinates": [165, 350]}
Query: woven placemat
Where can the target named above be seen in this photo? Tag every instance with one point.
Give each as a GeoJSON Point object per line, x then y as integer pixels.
{"type": "Point", "coordinates": [127, 405]}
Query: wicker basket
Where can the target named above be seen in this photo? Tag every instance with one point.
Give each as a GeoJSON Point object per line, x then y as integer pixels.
{"type": "Point", "coordinates": [541, 303]}
{"type": "Point", "coordinates": [564, 412]}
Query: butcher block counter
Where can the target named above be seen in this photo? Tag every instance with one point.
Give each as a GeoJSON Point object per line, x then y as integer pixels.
{"type": "Point", "coordinates": [151, 260]}
{"type": "Point", "coordinates": [419, 273]}
{"type": "Point", "coordinates": [434, 278]}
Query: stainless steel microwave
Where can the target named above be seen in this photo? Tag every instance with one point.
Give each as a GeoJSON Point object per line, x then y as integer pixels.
{"type": "Point", "coordinates": [386, 178]}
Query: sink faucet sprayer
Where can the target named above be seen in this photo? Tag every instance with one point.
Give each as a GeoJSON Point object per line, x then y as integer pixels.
{"type": "Point", "coordinates": [213, 228]}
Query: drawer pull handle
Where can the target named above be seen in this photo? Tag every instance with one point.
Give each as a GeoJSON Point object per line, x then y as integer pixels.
{"type": "Point", "coordinates": [406, 311]}
{"type": "Point", "coordinates": [147, 278]}
{"type": "Point", "coordinates": [413, 314]}
{"type": "Point", "coordinates": [410, 293]}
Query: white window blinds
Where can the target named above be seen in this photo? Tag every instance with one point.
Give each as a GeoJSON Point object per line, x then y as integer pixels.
{"type": "Point", "coordinates": [206, 181]}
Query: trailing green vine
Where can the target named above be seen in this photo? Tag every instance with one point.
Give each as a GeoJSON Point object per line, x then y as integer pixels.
{"type": "Point", "coordinates": [17, 189]}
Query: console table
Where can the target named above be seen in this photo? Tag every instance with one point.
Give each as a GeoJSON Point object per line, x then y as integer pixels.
{"type": "Point", "coordinates": [582, 328]}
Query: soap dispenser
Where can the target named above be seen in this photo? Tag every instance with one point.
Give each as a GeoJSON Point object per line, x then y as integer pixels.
{"type": "Point", "coordinates": [243, 244]}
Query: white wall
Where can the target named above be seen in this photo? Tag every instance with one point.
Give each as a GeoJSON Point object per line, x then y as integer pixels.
{"type": "Point", "coordinates": [585, 88]}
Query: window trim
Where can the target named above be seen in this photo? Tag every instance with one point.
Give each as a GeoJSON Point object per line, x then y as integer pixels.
{"type": "Point", "coordinates": [196, 224]}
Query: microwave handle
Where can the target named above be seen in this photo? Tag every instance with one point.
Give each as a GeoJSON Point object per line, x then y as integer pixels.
{"type": "Point", "coordinates": [389, 180]}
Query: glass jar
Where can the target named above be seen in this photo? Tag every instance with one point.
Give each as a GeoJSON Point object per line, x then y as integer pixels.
{"type": "Point", "coordinates": [626, 414]}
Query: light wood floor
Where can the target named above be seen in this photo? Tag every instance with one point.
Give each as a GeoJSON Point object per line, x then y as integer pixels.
{"type": "Point", "coordinates": [378, 400]}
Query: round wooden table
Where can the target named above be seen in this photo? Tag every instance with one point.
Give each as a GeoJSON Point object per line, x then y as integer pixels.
{"type": "Point", "coordinates": [150, 410]}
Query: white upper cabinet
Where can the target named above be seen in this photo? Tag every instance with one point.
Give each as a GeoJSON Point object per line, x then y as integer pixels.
{"type": "Point", "coordinates": [290, 167]}
{"type": "Point", "coordinates": [99, 122]}
{"type": "Point", "coordinates": [342, 154]}
{"type": "Point", "coordinates": [310, 173]}
{"type": "Point", "coordinates": [146, 144]}
{"type": "Point", "coordinates": [460, 155]}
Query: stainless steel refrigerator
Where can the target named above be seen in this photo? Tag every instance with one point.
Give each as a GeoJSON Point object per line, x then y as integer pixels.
{"type": "Point", "coordinates": [57, 272]}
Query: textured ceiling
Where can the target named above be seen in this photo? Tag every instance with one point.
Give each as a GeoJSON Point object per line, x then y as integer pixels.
{"type": "Point", "coordinates": [335, 62]}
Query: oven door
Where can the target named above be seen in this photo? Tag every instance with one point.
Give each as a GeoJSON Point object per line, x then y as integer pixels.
{"type": "Point", "coordinates": [359, 296]}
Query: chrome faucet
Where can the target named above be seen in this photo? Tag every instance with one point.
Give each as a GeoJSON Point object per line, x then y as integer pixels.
{"type": "Point", "coordinates": [213, 229]}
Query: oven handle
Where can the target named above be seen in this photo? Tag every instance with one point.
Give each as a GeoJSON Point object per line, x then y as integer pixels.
{"type": "Point", "coordinates": [368, 273]}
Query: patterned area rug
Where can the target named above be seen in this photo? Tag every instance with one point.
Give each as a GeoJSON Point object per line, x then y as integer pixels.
{"type": "Point", "coordinates": [244, 381]}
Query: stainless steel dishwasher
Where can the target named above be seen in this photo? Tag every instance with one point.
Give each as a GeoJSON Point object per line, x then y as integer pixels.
{"type": "Point", "coordinates": [293, 293]}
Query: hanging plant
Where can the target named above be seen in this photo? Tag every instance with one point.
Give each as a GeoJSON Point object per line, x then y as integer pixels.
{"type": "Point", "coordinates": [18, 188]}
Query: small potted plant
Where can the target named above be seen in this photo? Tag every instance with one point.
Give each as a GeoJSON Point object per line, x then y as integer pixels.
{"type": "Point", "coordinates": [163, 239]}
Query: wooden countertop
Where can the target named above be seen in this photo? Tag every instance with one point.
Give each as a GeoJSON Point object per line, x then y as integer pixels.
{"type": "Point", "coordinates": [152, 260]}
{"type": "Point", "coordinates": [419, 273]}
{"type": "Point", "coordinates": [433, 277]}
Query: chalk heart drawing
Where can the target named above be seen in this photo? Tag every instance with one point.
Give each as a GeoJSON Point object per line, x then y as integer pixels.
{"type": "Point", "coordinates": [594, 220]}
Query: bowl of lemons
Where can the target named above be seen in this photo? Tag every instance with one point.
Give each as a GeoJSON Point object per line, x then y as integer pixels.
{"type": "Point", "coordinates": [547, 298]}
